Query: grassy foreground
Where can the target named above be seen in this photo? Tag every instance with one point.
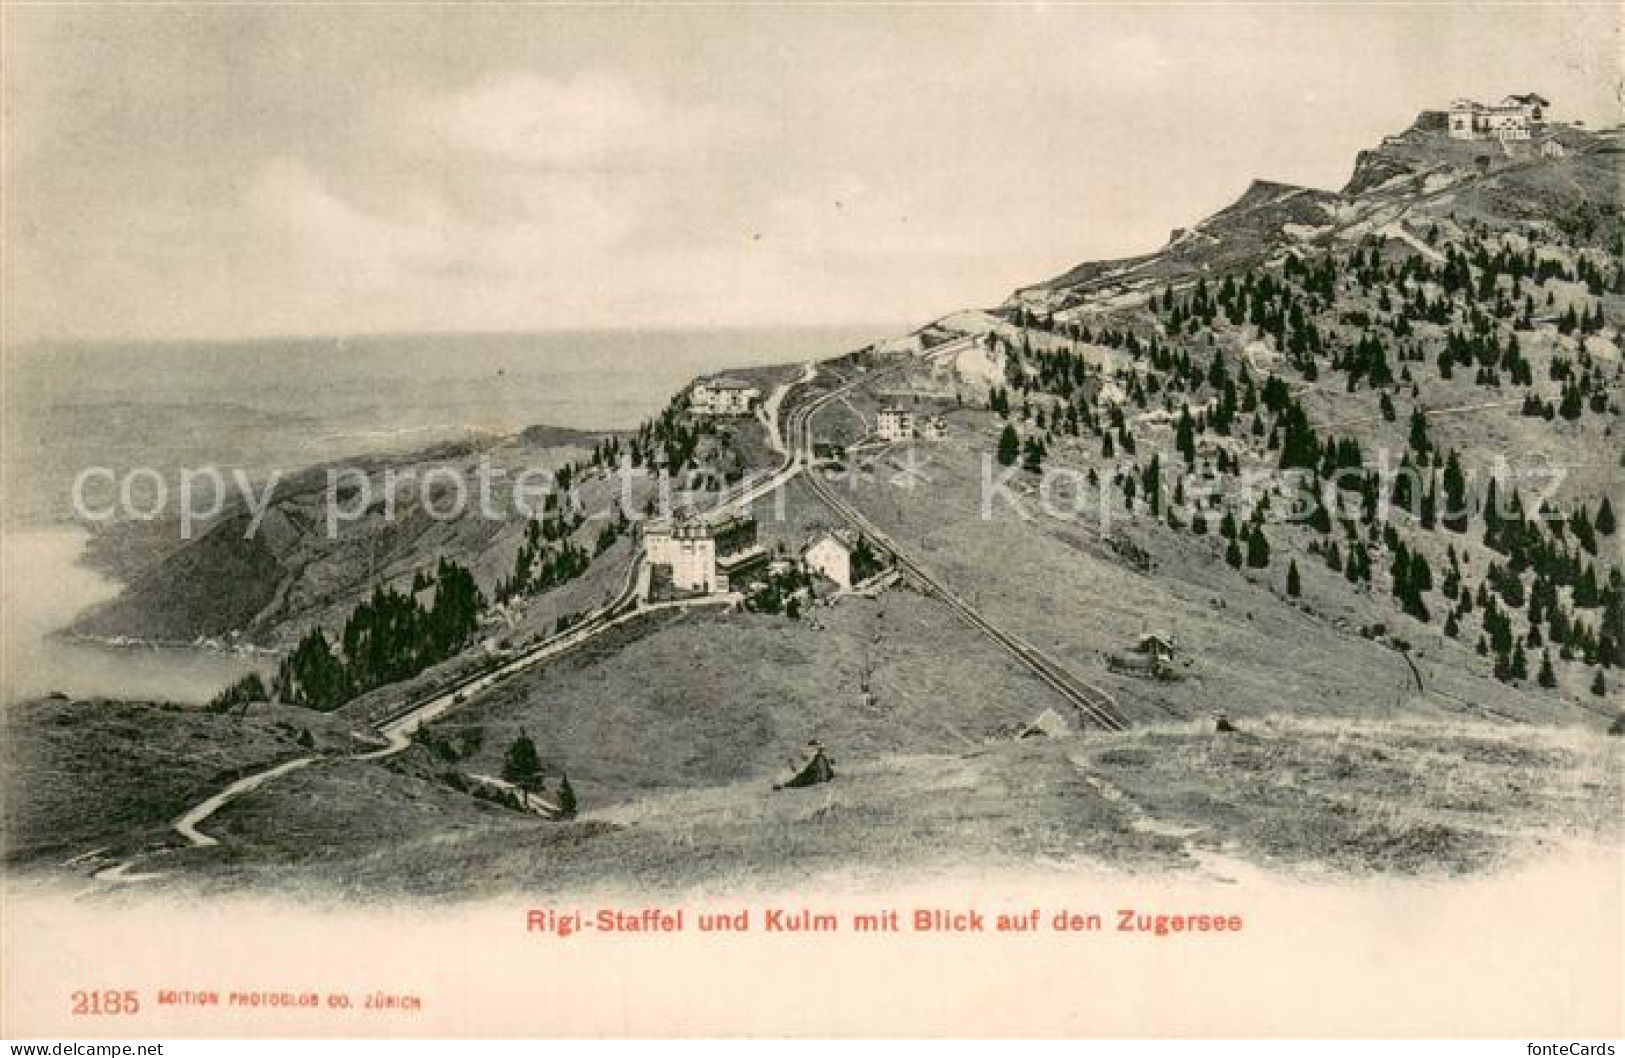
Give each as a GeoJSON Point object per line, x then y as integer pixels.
{"type": "Point", "coordinates": [1326, 798]}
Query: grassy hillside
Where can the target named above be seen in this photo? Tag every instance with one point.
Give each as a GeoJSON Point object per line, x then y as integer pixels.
{"type": "Point", "coordinates": [1422, 671]}
{"type": "Point", "coordinates": [82, 775]}
{"type": "Point", "coordinates": [1326, 798]}
{"type": "Point", "coordinates": [268, 586]}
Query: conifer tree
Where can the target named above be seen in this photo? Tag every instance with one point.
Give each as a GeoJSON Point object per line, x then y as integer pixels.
{"type": "Point", "coordinates": [522, 765]}
{"type": "Point", "coordinates": [1258, 549]}
{"type": "Point", "coordinates": [1009, 446]}
{"type": "Point", "coordinates": [567, 798]}
{"type": "Point", "coordinates": [1032, 459]}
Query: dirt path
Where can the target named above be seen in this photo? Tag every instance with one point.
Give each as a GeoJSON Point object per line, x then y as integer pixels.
{"type": "Point", "coordinates": [769, 415]}
{"type": "Point", "coordinates": [1210, 862]}
{"type": "Point", "coordinates": [397, 734]}
{"type": "Point", "coordinates": [187, 825]}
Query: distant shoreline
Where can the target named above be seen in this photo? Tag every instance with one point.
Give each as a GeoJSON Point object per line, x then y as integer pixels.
{"type": "Point", "coordinates": [877, 331]}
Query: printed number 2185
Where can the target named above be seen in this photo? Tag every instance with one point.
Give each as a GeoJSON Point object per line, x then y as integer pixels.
{"type": "Point", "coordinates": [106, 1001]}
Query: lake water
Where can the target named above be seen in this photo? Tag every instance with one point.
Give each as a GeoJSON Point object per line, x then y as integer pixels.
{"type": "Point", "coordinates": [44, 588]}
{"type": "Point", "coordinates": [284, 404]}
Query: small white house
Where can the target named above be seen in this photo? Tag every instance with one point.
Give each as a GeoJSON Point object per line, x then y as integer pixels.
{"type": "Point", "coordinates": [723, 396]}
{"type": "Point", "coordinates": [895, 424]}
{"type": "Point", "coordinates": [829, 554]}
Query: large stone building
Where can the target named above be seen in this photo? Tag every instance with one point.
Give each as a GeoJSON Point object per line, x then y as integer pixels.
{"type": "Point", "coordinates": [1513, 118]}
{"type": "Point", "coordinates": [705, 555]}
{"type": "Point", "coordinates": [723, 396]}
{"type": "Point", "coordinates": [895, 424]}
{"type": "Point", "coordinates": [901, 424]}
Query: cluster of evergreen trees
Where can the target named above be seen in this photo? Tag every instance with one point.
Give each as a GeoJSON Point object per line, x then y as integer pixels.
{"type": "Point", "coordinates": [522, 766]}
{"type": "Point", "coordinates": [1011, 447]}
{"type": "Point", "coordinates": [547, 558]}
{"type": "Point", "coordinates": [866, 561]}
{"type": "Point", "coordinates": [671, 440]}
{"type": "Point", "coordinates": [245, 691]}
{"type": "Point", "coordinates": [387, 638]}
{"type": "Point", "coordinates": [779, 593]}
{"type": "Point", "coordinates": [1481, 292]}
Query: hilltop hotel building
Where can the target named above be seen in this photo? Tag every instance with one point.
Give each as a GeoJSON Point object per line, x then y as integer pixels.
{"type": "Point", "coordinates": [723, 395]}
{"type": "Point", "coordinates": [705, 556]}
{"type": "Point", "coordinates": [1511, 119]}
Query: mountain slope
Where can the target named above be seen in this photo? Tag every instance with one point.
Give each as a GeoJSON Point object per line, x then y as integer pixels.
{"type": "Point", "coordinates": [1447, 323]}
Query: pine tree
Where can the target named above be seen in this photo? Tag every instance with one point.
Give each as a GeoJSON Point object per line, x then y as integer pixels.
{"type": "Point", "coordinates": [1599, 686]}
{"type": "Point", "coordinates": [1604, 523]}
{"type": "Point", "coordinates": [1294, 587]}
{"type": "Point", "coordinates": [1032, 459]}
{"type": "Point", "coordinates": [1258, 550]}
{"type": "Point", "coordinates": [567, 798]}
{"type": "Point", "coordinates": [522, 765]}
{"type": "Point", "coordinates": [1232, 555]}
{"type": "Point", "coordinates": [1547, 677]}
{"type": "Point", "coordinates": [1419, 432]}
{"type": "Point", "coordinates": [1185, 437]}
{"type": "Point", "coordinates": [1009, 446]}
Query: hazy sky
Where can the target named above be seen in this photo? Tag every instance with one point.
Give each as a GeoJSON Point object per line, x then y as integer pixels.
{"type": "Point", "coordinates": [187, 171]}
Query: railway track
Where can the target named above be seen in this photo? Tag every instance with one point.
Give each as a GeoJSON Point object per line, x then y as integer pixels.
{"type": "Point", "coordinates": [585, 629]}
{"type": "Point", "coordinates": [1094, 705]}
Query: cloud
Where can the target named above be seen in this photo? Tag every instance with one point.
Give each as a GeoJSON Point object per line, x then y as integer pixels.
{"type": "Point", "coordinates": [333, 239]}
{"type": "Point", "coordinates": [406, 260]}
{"type": "Point", "coordinates": [517, 201]}
{"type": "Point", "coordinates": [313, 170]}
{"type": "Point", "coordinates": [588, 121]}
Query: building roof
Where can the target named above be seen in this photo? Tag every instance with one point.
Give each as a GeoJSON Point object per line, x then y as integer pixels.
{"type": "Point", "coordinates": [689, 524]}
{"type": "Point", "coordinates": [749, 556]}
{"type": "Point", "coordinates": [732, 521]}
{"type": "Point", "coordinates": [726, 382]}
{"type": "Point", "coordinates": [846, 538]}
{"type": "Point", "coordinates": [1525, 100]}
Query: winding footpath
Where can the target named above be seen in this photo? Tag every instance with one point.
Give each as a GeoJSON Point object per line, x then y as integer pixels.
{"type": "Point", "coordinates": [187, 825]}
